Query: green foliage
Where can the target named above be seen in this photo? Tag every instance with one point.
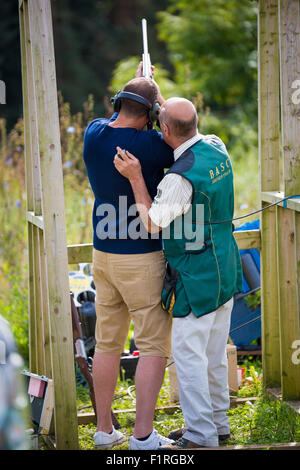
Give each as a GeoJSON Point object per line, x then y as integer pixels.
{"type": "Point", "coordinates": [125, 70]}
{"type": "Point", "coordinates": [253, 300]}
{"type": "Point", "coordinates": [212, 46]}
{"type": "Point", "coordinates": [14, 307]}
{"type": "Point", "coordinates": [253, 386]}
{"type": "Point", "coordinates": [263, 422]}
{"type": "Point", "coordinates": [13, 274]}
{"type": "Point", "coordinates": [10, 61]}
{"type": "Point", "coordinates": [90, 37]}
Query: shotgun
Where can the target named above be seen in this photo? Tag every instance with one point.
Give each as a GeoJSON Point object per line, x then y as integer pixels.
{"type": "Point", "coordinates": [146, 56]}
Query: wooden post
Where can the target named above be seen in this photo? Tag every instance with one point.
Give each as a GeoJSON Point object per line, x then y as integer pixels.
{"type": "Point", "coordinates": [297, 253]}
{"type": "Point", "coordinates": [50, 325]}
{"type": "Point", "coordinates": [269, 157]}
{"type": "Point", "coordinates": [29, 190]}
{"type": "Point", "coordinates": [289, 305]}
{"type": "Point", "coordinates": [287, 220]}
{"type": "Point", "coordinates": [289, 22]}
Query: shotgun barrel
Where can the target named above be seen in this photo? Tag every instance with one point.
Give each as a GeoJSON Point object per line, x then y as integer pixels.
{"type": "Point", "coordinates": [146, 56]}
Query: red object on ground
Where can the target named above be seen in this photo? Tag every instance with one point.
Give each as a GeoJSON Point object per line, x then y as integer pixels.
{"type": "Point", "coordinates": [241, 375]}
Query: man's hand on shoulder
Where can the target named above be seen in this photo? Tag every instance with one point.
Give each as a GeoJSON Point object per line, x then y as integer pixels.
{"type": "Point", "coordinates": [129, 166]}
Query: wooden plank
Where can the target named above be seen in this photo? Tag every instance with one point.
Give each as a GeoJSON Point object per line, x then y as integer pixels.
{"type": "Point", "coordinates": [276, 196]}
{"type": "Point", "coordinates": [34, 216]}
{"type": "Point", "coordinates": [271, 446]}
{"type": "Point", "coordinates": [272, 196]}
{"type": "Point", "coordinates": [33, 359]}
{"type": "Point", "coordinates": [87, 418]}
{"type": "Point", "coordinates": [297, 256]}
{"type": "Point", "coordinates": [66, 433]}
{"type": "Point", "coordinates": [36, 220]}
{"type": "Point", "coordinates": [47, 411]}
{"type": "Point", "coordinates": [84, 253]}
{"type": "Point", "coordinates": [29, 192]}
{"type": "Point", "coordinates": [289, 35]}
{"type": "Point", "coordinates": [288, 303]}
{"type": "Point", "coordinates": [270, 301]}
{"type": "Point", "coordinates": [46, 319]}
{"type": "Point", "coordinates": [80, 253]}
{"type": "Point", "coordinates": [296, 344]}
{"type": "Point", "coordinates": [237, 401]}
{"type": "Point", "coordinates": [35, 198]}
{"type": "Point", "coordinates": [249, 353]}
{"type": "Point", "coordinates": [39, 328]}
{"type": "Point", "coordinates": [247, 239]}
{"type": "Point", "coordinates": [268, 95]}
{"type": "Point", "coordinates": [269, 158]}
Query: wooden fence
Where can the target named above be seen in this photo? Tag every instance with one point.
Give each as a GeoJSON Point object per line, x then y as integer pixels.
{"type": "Point", "coordinates": [279, 151]}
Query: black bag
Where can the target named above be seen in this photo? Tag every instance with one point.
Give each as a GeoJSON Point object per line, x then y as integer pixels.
{"type": "Point", "coordinates": [168, 295]}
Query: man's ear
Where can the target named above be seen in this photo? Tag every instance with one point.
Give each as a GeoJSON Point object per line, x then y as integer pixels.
{"type": "Point", "coordinates": [166, 129]}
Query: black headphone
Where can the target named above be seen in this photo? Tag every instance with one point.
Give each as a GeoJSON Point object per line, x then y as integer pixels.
{"type": "Point", "coordinates": [153, 109]}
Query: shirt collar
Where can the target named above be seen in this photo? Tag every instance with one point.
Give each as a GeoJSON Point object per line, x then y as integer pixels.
{"type": "Point", "coordinates": [186, 145]}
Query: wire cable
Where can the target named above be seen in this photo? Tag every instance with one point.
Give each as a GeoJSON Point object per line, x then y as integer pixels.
{"type": "Point", "coordinates": [244, 324]}
{"type": "Point", "coordinates": [252, 213]}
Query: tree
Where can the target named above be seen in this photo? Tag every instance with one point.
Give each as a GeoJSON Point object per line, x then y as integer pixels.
{"type": "Point", "coordinates": [10, 61]}
{"type": "Point", "coordinates": [212, 46]}
{"type": "Point", "coordinates": [90, 37]}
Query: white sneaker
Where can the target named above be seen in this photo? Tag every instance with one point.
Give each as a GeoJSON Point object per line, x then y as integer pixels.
{"type": "Point", "coordinates": [154, 442]}
{"type": "Point", "coordinates": [104, 440]}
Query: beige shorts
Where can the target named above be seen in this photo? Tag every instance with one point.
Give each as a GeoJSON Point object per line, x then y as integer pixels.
{"type": "Point", "coordinates": [128, 287]}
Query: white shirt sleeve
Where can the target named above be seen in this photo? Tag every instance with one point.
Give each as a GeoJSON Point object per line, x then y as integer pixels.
{"type": "Point", "coordinates": [173, 198]}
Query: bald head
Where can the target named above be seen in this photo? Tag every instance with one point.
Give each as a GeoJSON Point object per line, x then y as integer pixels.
{"type": "Point", "coordinates": [180, 116]}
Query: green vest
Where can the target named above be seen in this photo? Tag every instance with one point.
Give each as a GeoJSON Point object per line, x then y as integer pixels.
{"type": "Point", "coordinates": [202, 276]}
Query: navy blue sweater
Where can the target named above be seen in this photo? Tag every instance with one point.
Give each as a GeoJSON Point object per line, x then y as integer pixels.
{"type": "Point", "coordinates": [114, 230]}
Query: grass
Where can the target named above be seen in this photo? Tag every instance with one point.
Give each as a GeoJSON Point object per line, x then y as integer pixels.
{"type": "Point", "coordinates": [262, 422]}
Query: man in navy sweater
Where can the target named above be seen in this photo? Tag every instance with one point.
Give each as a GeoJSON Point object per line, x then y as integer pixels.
{"type": "Point", "coordinates": [128, 264]}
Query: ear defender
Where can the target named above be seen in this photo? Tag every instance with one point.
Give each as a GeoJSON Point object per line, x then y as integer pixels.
{"type": "Point", "coordinates": [153, 110]}
{"type": "Point", "coordinates": [116, 102]}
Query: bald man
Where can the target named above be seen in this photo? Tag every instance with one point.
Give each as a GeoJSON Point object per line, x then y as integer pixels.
{"type": "Point", "coordinates": [203, 267]}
